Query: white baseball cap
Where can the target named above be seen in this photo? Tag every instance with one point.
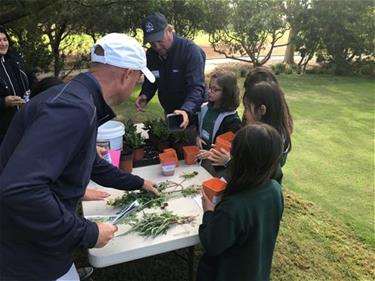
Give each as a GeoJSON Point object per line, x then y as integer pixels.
{"type": "Point", "coordinates": [122, 51]}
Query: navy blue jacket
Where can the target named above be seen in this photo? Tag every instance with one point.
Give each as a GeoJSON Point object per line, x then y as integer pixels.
{"type": "Point", "coordinates": [179, 78]}
{"type": "Point", "coordinates": [46, 161]}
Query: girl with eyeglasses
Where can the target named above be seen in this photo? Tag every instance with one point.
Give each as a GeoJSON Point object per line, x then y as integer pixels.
{"type": "Point", "coordinates": [218, 115]}
{"type": "Point", "coordinates": [264, 101]}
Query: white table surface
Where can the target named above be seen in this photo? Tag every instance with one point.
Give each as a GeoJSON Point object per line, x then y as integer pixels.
{"type": "Point", "coordinates": [132, 246]}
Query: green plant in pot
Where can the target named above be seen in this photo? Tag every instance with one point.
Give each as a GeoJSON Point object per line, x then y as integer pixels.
{"type": "Point", "coordinates": [134, 140]}
{"type": "Point", "coordinates": [178, 141]}
{"type": "Point", "coordinates": [158, 132]}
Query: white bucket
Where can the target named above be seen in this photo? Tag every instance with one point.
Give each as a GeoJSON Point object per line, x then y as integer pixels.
{"type": "Point", "coordinates": [110, 135]}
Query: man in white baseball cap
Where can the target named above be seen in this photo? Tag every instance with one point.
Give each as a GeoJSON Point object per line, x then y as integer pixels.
{"type": "Point", "coordinates": [118, 53]}
{"type": "Point", "coordinates": [52, 141]}
{"type": "Point", "coordinates": [122, 51]}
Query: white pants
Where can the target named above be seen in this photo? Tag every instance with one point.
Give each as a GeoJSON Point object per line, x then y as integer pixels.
{"type": "Point", "coordinates": [71, 275]}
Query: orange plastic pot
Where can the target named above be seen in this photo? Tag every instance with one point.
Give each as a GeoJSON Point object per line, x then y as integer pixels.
{"type": "Point", "coordinates": [190, 154]}
{"type": "Point", "coordinates": [172, 152]}
{"type": "Point", "coordinates": [214, 188]}
{"type": "Point", "coordinates": [168, 156]}
{"type": "Point", "coordinates": [168, 168]}
{"type": "Point", "coordinates": [168, 162]}
{"type": "Point", "coordinates": [126, 161]}
{"type": "Point", "coordinates": [224, 141]}
{"type": "Point", "coordinates": [139, 154]}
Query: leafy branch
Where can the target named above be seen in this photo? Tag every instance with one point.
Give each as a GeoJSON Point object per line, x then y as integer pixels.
{"type": "Point", "coordinates": [149, 200]}
{"type": "Point", "coordinates": [152, 224]}
{"type": "Point", "coordinates": [143, 197]}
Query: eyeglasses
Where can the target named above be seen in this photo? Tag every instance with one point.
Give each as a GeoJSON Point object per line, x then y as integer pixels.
{"type": "Point", "coordinates": [214, 90]}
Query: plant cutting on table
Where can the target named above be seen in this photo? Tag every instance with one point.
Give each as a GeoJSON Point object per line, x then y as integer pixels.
{"type": "Point", "coordinates": [154, 224]}
{"type": "Point", "coordinates": [157, 223]}
{"type": "Point", "coordinates": [149, 200]}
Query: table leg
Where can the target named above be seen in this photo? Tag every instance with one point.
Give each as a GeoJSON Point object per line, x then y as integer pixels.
{"type": "Point", "coordinates": [191, 263]}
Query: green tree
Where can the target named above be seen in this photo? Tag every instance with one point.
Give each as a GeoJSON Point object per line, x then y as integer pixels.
{"type": "Point", "coordinates": [13, 10]}
{"type": "Point", "coordinates": [339, 33]}
{"type": "Point", "coordinates": [296, 11]}
{"type": "Point", "coordinates": [185, 15]}
{"type": "Point", "coordinates": [250, 28]}
{"type": "Point", "coordinates": [347, 31]}
{"type": "Point", "coordinates": [30, 43]}
{"type": "Point", "coordinates": [115, 16]}
{"type": "Point", "coordinates": [48, 35]}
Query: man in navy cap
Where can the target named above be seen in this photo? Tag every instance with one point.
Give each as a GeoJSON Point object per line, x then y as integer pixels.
{"type": "Point", "coordinates": [178, 66]}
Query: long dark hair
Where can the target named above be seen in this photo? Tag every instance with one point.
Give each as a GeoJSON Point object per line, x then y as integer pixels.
{"type": "Point", "coordinates": [3, 30]}
{"type": "Point", "coordinates": [271, 96]}
{"type": "Point", "coordinates": [259, 74]}
{"type": "Point", "coordinates": [256, 151]}
{"type": "Point", "coordinates": [263, 74]}
{"type": "Point", "coordinates": [230, 98]}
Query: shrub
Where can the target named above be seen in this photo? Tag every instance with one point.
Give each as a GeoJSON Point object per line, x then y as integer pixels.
{"type": "Point", "coordinates": [240, 69]}
{"type": "Point", "coordinates": [365, 67]}
{"type": "Point", "coordinates": [278, 68]}
{"type": "Point", "coordinates": [288, 69]}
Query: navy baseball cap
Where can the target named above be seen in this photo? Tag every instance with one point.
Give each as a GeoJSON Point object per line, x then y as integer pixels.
{"type": "Point", "coordinates": [153, 27]}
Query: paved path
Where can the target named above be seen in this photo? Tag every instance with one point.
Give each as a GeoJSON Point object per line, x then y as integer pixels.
{"type": "Point", "coordinates": [210, 65]}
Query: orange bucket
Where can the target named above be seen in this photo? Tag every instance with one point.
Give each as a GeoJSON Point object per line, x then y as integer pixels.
{"type": "Point", "coordinates": [214, 188]}
{"type": "Point", "coordinates": [190, 154]}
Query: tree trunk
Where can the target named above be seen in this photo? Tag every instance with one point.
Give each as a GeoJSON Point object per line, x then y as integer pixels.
{"type": "Point", "coordinates": [55, 46]}
{"type": "Point", "coordinates": [289, 52]}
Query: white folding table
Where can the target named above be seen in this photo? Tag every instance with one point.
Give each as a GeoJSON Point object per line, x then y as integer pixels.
{"type": "Point", "coordinates": [132, 246]}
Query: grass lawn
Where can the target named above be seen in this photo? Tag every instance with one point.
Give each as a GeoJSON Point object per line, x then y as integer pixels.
{"type": "Point", "coordinates": [332, 162]}
{"type": "Point", "coordinates": [328, 225]}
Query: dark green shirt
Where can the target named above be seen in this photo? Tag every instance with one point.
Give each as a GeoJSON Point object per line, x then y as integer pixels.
{"type": "Point", "coordinates": [278, 175]}
{"type": "Point", "coordinates": [208, 125]}
{"type": "Point", "coordinates": [240, 235]}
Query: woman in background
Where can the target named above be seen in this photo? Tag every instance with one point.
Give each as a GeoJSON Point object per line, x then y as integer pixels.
{"type": "Point", "coordinates": [15, 82]}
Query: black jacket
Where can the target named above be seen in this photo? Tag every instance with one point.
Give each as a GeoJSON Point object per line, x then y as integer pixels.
{"type": "Point", "coordinates": [15, 79]}
{"type": "Point", "coordinates": [46, 161]}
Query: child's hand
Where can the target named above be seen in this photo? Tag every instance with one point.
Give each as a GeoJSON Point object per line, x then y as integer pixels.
{"type": "Point", "coordinates": [219, 158]}
{"type": "Point", "coordinates": [203, 154]}
{"type": "Point", "coordinates": [207, 203]}
{"type": "Point", "coordinates": [200, 142]}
